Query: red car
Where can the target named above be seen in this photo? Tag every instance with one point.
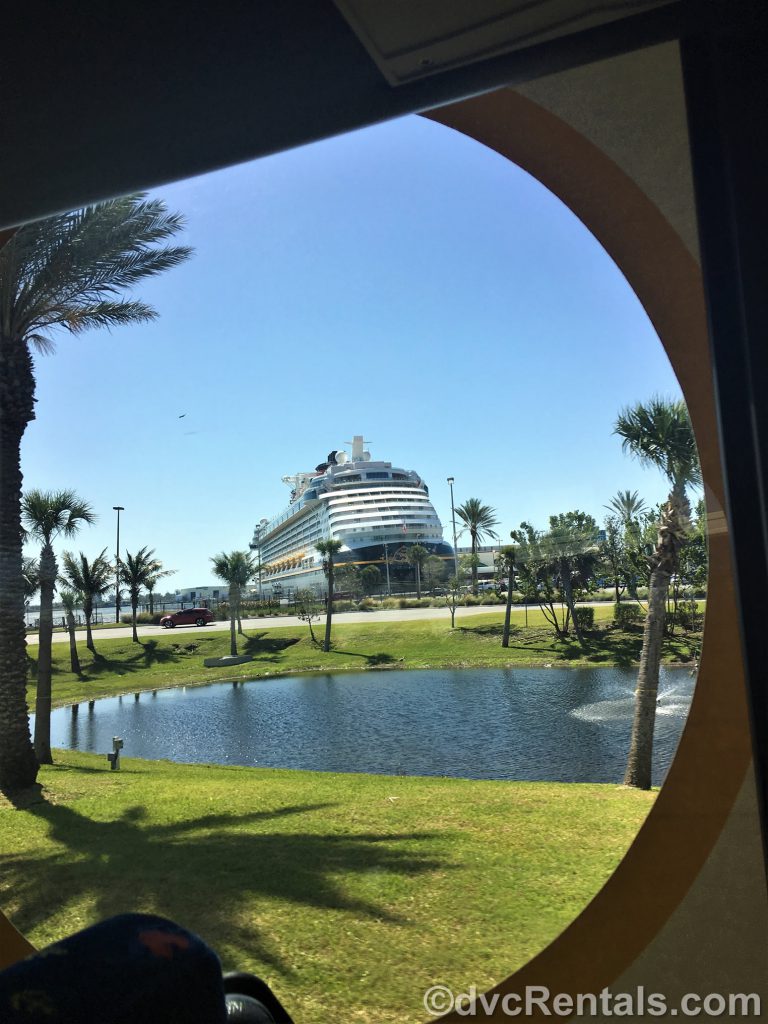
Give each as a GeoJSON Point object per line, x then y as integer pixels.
{"type": "Point", "coordinates": [188, 617]}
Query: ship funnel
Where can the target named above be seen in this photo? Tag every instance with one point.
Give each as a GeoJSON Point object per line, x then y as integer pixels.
{"type": "Point", "coordinates": [357, 447]}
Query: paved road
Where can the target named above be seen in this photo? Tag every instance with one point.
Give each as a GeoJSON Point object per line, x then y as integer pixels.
{"type": "Point", "coordinates": [283, 621]}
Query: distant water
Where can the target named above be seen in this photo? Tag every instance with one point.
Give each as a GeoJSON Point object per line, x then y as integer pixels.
{"type": "Point", "coordinates": [560, 725]}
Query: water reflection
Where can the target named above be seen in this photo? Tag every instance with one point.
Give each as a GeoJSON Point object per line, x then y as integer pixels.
{"type": "Point", "coordinates": [549, 724]}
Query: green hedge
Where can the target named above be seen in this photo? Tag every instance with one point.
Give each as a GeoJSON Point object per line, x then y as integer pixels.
{"type": "Point", "coordinates": [585, 617]}
{"type": "Point", "coordinates": [627, 615]}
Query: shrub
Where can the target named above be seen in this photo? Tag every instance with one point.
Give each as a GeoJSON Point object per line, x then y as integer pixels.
{"type": "Point", "coordinates": [585, 617]}
{"type": "Point", "coordinates": [625, 615]}
{"type": "Point", "coordinates": [470, 600]}
{"type": "Point", "coordinates": [344, 606]}
{"type": "Point", "coordinates": [143, 618]}
{"type": "Point", "coordinates": [687, 616]}
{"type": "Point", "coordinates": [367, 605]}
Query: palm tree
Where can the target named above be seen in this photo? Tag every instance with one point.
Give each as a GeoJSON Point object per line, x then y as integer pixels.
{"type": "Point", "coordinates": [153, 578]}
{"type": "Point", "coordinates": [66, 273]}
{"type": "Point", "coordinates": [46, 515]}
{"type": "Point", "coordinates": [480, 520]}
{"type": "Point", "coordinates": [506, 562]}
{"type": "Point", "coordinates": [627, 505]}
{"type": "Point", "coordinates": [30, 569]}
{"type": "Point", "coordinates": [658, 434]}
{"type": "Point", "coordinates": [416, 555]}
{"type": "Point", "coordinates": [90, 580]}
{"type": "Point", "coordinates": [137, 571]}
{"type": "Point", "coordinates": [71, 599]}
{"type": "Point", "coordinates": [236, 569]}
{"type": "Point", "coordinates": [328, 548]}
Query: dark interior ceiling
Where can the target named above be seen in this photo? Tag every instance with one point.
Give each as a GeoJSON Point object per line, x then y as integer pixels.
{"type": "Point", "coordinates": [101, 99]}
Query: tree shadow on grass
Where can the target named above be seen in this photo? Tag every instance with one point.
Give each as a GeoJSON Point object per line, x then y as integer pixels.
{"type": "Point", "coordinates": [267, 647]}
{"type": "Point", "coordinates": [372, 660]}
{"type": "Point", "coordinates": [492, 629]}
{"type": "Point", "coordinates": [206, 873]}
{"type": "Point", "coordinates": [147, 654]}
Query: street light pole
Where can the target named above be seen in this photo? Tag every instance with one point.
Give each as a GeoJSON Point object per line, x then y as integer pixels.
{"type": "Point", "coordinates": [255, 545]}
{"type": "Point", "coordinates": [118, 509]}
{"type": "Point", "coordinates": [455, 543]}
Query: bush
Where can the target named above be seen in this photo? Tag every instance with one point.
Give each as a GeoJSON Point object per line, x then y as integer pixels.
{"type": "Point", "coordinates": [585, 617]}
{"type": "Point", "coordinates": [143, 618]}
{"type": "Point", "coordinates": [687, 616]}
{"type": "Point", "coordinates": [344, 606]}
{"type": "Point", "coordinates": [626, 615]}
{"type": "Point", "coordinates": [470, 600]}
{"type": "Point", "coordinates": [367, 605]}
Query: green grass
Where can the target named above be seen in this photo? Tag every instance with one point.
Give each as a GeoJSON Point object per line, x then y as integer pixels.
{"type": "Point", "coordinates": [351, 894]}
{"type": "Point", "coordinates": [176, 658]}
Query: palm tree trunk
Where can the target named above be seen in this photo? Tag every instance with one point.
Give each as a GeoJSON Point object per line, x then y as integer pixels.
{"type": "Point", "coordinates": [508, 609]}
{"type": "Point", "coordinates": [232, 632]}
{"type": "Point", "coordinates": [151, 602]}
{"type": "Point", "coordinates": [418, 582]}
{"type": "Point", "coordinates": [45, 634]}
{"type": "Point", "coordinates": [474, 564]}
{"type": "Point", "coordinates": [74, 658]}
{"type": "Point", "coordinates": [134, 607]}
{"type": "Point", "coordinates": [329, 609]}
{"type": "Point", "coordinates": [234, 601]}
{"type": "Point", "coordinates": [672, 527]}
{"type": "Point", "coordinates": [18, 765]}
{"type": "Point", "coordinates": [639, 762]}
{"type": "Point", "coordinates": [88, 612]}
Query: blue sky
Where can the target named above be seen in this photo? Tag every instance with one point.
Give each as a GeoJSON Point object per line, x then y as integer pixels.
{"type": "Point", "coordinates": [402, 282]}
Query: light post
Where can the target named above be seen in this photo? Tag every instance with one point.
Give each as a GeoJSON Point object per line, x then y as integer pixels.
{"type": "Point", "coordinates": [118, 509]}
{"type": "Point", "coordinates": [255, 545]}
{"type": "Point", "coordinates": [455, 542]}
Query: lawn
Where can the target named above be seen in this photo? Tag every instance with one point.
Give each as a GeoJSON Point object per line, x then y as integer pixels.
{"type": "Point", "coordinates": [176, 658]}
{"type": "Point", "coordinates": [351, 894]}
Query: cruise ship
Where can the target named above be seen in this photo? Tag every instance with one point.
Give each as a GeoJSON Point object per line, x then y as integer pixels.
{"type": "Point", "coordinates": [374, 508]}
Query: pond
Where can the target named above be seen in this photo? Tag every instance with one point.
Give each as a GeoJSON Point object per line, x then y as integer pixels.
{"type": "Point", "coordinates": [564, 725]}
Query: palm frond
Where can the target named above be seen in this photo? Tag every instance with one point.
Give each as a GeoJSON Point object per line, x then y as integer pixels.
{"type": "Point", "coordinates": [91, 579]}
{"type": "Point", "coordinates": [237, 568]}
{"type": "Point", "coordinates": [659, 434]}
{"type": "Point", "coordinates": [479, 518]}
{"type": "Point", "coordinates": [68, 272]}
{"type": "Point", "coordinates": [46, 514]}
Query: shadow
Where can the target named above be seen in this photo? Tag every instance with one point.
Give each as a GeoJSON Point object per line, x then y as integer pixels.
{"type": "Point", "coordinates": [263, 645]}
{"type": "Point", "coordinates": [24, 799]}
{"type": "Point", "coordinates": [147, 653]}
{"type": "Point", "coordinates": [157, 654]}
{"type": "Point", "coordinates": [494, 629]}
{"type": "Point", "coordinates": [207, 873]}
{"type": "Point", "coordinates": [381, 658]}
